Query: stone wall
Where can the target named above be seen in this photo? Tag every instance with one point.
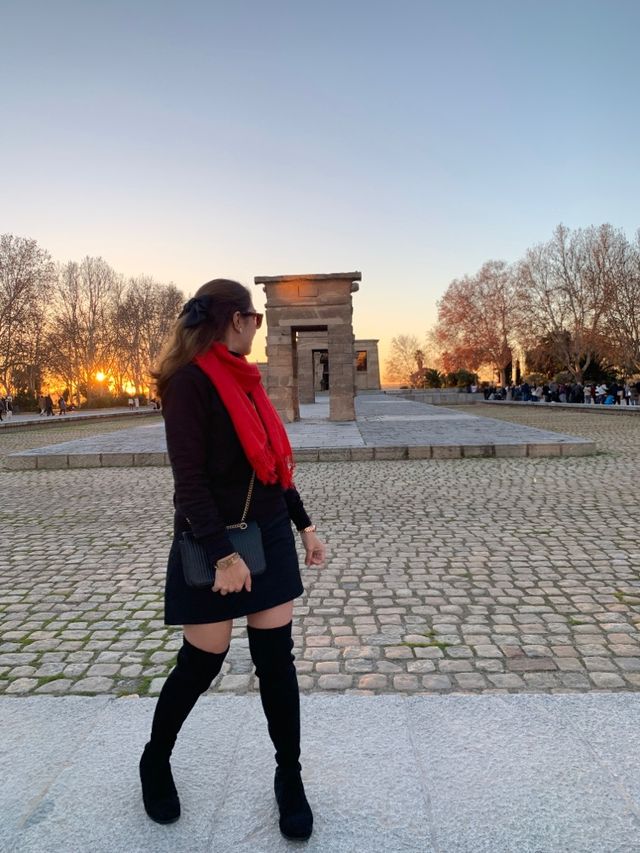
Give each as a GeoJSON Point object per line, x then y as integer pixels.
{"type": "Point", "coordinates": [440, 396]}
{"type": "Point", "coordinates": [369, 379]}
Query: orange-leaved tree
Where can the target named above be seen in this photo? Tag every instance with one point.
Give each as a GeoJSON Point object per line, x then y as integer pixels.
{"type": "Point", "coordinates": [478, 320]}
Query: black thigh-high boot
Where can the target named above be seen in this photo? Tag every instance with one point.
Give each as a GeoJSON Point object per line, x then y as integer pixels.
{"type": "Point", "coordinates": [271, 653]}
{"type": "Point", "coordinates": [192, 675]}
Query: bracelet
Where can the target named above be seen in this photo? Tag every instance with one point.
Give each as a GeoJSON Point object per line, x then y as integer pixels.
{"type": "Point", "coordinates": [310, 529]}
{"type": "Point", "coordinates": [225, 562]}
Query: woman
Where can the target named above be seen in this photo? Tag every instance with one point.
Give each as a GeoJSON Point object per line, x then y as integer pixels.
{"type": "Point", "coordinates": [221, 427]}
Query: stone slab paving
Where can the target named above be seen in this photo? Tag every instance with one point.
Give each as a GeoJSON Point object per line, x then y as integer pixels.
{"type": "Point", "coordinates": [480, 575]}
{"type": "Point", "coordinates": [386, 428]}
{"type": "Point", "coordinates": [423, 774]}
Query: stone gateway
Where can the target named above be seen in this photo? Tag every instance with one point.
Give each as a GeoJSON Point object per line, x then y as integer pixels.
{"type": "Point", "coordinates": [296, 306]}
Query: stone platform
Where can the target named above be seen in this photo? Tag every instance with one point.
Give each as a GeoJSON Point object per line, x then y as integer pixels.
{"type": "Point", "coordinates": [385, 428]}
{"type": "Point", "coordinates": [425, 774]}
{"type": "Point", "coordinates": [33, 420]}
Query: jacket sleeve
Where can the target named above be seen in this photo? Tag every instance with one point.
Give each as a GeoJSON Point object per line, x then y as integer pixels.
{"type": "Point", "coordinates": [297, 512]}
{"type": "Point", "coordinates": [187, 419]}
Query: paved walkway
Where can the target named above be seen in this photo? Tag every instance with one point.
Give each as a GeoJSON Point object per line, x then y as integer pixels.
{"type": "Point", "coordinates": [33, 419]}
{"type": "Point", "coordinates": [386, 428]}
{"type": "Point", "coordinates": [427, 774]}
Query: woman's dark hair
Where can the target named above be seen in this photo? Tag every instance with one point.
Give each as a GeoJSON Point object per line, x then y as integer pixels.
{"type": "Point", "coordinates": [224, 298]}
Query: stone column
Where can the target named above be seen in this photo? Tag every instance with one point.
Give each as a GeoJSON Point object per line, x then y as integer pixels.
{"type": "Point", "coordinates": [306, 391]}
{"type": "Point", "coordinates": [342, 379]}
{"type": "Point", "coordinates": [373, 367]}
{"type": "Point", "coordinates": [282, 385]}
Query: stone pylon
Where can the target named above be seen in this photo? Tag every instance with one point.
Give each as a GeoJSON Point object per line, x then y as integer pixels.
{"type": "Point", "coordinates": [310, 303]}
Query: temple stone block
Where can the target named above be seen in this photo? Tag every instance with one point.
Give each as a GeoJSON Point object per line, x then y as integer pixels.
{"type": "Point", "coordinates": [281, 374]}
{"type": "Point", "coordinates": [301, 306]}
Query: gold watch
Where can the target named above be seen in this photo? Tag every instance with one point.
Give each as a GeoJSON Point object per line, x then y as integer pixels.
{"type": "Point", "coordinates": [225, 562]}
{"type": "Point", "coordinates": [310, 529]}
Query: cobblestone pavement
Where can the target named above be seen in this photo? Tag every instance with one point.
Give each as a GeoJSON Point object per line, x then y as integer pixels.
{"type": "Point", "coordinates": [478, 575]}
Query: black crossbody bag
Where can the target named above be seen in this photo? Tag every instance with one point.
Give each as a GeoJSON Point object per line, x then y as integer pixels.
{"type": "Point", "coordinates": [246, 539]}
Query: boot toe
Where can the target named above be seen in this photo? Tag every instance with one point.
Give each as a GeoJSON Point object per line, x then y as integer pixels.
{"type": "Point", "coordinates": [297, 827]}
{"type": "Point", "coordinates": [296, 817]}
{"type": "Point", "coordinates": [163, 811]}
{"type": "Point", "coordinates": [159, 794]}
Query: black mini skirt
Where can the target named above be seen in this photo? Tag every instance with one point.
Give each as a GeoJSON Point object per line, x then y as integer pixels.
{"type": "Point", "coordinates": [281, 582]}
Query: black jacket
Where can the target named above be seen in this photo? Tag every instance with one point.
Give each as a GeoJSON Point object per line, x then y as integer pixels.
{"type": "Point", "coordinates": [211, 473]}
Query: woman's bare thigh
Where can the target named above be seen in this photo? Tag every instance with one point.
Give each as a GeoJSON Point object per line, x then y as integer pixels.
{"type": "Point", "coordinates": [216, 636]}
{"type": "Point", "coordinates": [210, 637]}
{"type": "Point", "coordinates": [274, 617]}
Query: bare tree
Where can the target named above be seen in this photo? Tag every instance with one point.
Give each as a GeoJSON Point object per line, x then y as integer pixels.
{"type": "Point", "coordinates": [26, 273]}
{"type": "Point", "coordinates": [565, 287]}
{"type": "Point", "coordinates": [406, 354]}
{"type": "Point", "coordinates": [478, 319]}
{"type": "Point", "coordinates": [622, 315]}
{"type": "Point", "coordinates": [143, 318]}
{"type": "Point", "coordinates": [82, 334]}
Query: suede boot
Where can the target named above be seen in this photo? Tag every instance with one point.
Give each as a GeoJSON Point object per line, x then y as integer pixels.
{"type": "Point", "coordinates": [194, 671]}
{"type": "Point", "coordinates": [271, 653]}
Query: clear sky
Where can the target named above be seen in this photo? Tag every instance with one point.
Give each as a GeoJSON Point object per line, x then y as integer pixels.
{"type": "Point", "coordinates": [411, 140]}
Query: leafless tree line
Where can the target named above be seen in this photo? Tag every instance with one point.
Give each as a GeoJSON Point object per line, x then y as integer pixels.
{"type": "Point", "coordinates": [66, 324]}
{"type": "Point", "coordinates": [577, 296]}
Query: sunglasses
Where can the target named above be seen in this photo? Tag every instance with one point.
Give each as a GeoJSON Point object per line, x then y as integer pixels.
{"type": "Point", "coordinates": [255, 314]}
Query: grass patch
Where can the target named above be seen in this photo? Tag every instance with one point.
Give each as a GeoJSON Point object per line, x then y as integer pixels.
{"type": "Point", "coordinates": [144, 683]}
{"type": "Point", "coordinates": [45, 679]}
{"type": "Point", "coordinates": [146, 657]}
{"type": "Point", "coordinates": [573, 621]}
{"type": "Point", "coordinates": [26, 641]}
{"type": "Point", "coordinates": [626, 598]}
{"type": "Point", "coordinates": [433, 643]}
{"type": "Point", "coordinates": [429, 642]}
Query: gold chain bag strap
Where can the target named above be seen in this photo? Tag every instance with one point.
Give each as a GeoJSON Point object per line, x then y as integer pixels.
{"type": "Point", "coordinates": [246, 539]}
{"type": "Point", "coordinates": [242, 524]}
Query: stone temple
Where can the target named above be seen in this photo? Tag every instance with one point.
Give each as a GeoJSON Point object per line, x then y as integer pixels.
{"type": "Point", "coordinates": [310, 343]}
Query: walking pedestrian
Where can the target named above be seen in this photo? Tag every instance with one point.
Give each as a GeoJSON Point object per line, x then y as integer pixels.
{"type": "Point", "coordinates": [223, 434]}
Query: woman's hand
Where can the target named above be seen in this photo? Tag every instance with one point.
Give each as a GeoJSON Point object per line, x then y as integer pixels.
{"type": "Point", "coordinates": [315, 549]}
{"type": "Point", "coordinates": [232, 579]}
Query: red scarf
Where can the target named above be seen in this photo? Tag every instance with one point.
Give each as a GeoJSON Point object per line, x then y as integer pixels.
{"type": "Point", "coordinates": [259, 428]}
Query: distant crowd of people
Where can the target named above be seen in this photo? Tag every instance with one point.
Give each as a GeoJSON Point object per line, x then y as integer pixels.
{"type": "Point", "coordinates": [611, 394]}
{"type": "Point", "coordinates": [134, 403]}
{"type": "Point", "coordinates": [46, 405]}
